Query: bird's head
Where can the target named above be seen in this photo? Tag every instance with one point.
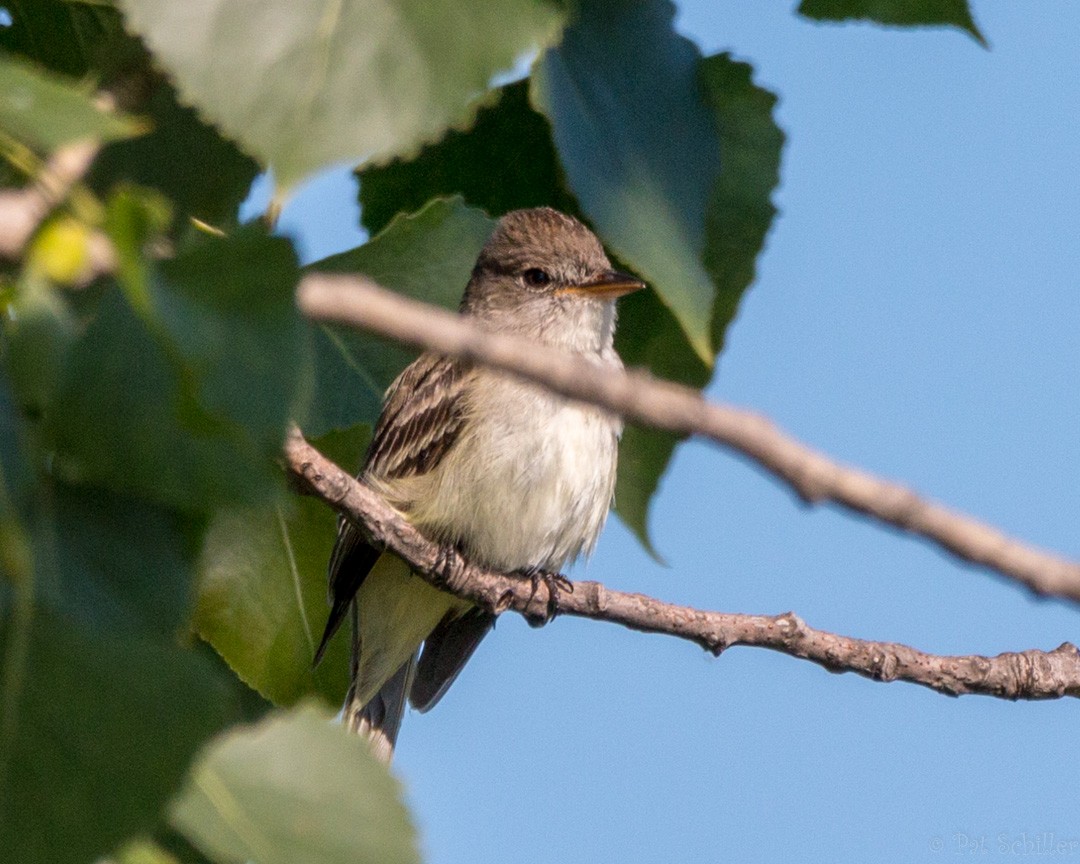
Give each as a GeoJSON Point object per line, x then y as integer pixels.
{"type": "Point", "coordinates": [545, 275]}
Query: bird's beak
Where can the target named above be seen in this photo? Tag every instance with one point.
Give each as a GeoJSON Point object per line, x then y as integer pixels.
{"type": "Point", "coordinates": [606, 286]}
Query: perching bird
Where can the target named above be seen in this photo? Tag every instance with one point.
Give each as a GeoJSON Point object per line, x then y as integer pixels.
{"type": "Point", "coordinates": [513, 476]}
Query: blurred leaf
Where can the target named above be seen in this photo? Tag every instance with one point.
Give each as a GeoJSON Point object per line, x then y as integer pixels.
{"type": "Point", "coordinates": [123, 564]}
{"type": "Point", "coordinates": [122, 417]}
{"type": "Point", "coordinates": [103, 728]}
{"type": "Point", "coordinates": [428, 255]}
{"type": "Point", "coordinates": [905, 13]}
{"type": "Point", "coordinates": [295, 789]}
{"type": "Point", "coordinates": [38, 330]}
{"type": "Point", "coordinates": [303, 85]}
{"type": "Point", "coordinates": [227, 305]}
{"type": "Point", "coordinates": [506, 161]}
{"type": "Point", "coordinates": [15, 473]}
{"type": "Point", "coordinates": [262, 589]}
{"type": "Point", "coordinates": [141, 852]}
{"type": "Point", "coordinates": [45, 112]}
{"type": "Point", "coordinates": [639, 146]}
{"type": "Point", "coordinates": [209, 353]}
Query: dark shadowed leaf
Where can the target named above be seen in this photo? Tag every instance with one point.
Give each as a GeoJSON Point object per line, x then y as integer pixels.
{"type": "Point", "coordinates": [103, 728]}
{"type": "Point", "coordinates": [262, 589]}
{"type": "Point", "coordinates": [504, 162]}
{"type": "Point", "coordinates": [296, 788]}
{"type": "Point", "coordinates": [116, 371]}
{"type": "Point", "coordinates": [639, 145]}
{"type": "Point", "coordinates": [69, 38]}
{"type": "Point", "coordinates": [740, 206]}
{"type": "Point", "coordinates": [428, 255]}
{"type": "Point", "coordinates": [902, 13]}
{"type": "Point", "coordinates": [103, 706]}
{"type": "Point", "coordinates": [303, 85]}
{"type": "Point", "coordinates": [39, 328]}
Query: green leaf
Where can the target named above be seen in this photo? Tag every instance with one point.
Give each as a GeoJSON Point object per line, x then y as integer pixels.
{"type": "Point", "coordinates": [262, 589]}
{"type": "Point", "coordinates": [639, 146]}
{"type": "Point", "coordinates": [295, 789]}
{"type": "Point", "coordinates": [303, 84]}
{"type": "Point", "coordinates": [127, 565]}
{"type": "Point", "coordinates": [100, 735]}
{"type": "Point", "coordinates": [208, 352]}
{"type": "Point", "coordinates": [227, 306]}
{"type": "Point", "coordinates": [116, 372]}
{"type": "Point", "coordinates": [68, 38]}
{"type": "Point", "coordinates": [429, 256]}
{"type": "Point", "coordinates": [903, 13]}
{"type": "Point", "coordinates": [649, 337]}
{"type": "Point", "coordinates": [38, 331]}
{"type": "Point", "coordinates": [102, 705]}
{"type": "Point", "coordinates": [506, 161]}
{"type": "Point", "coordinates": [740, 207]}
{"type": "Point", "coordinates": [44, 112]}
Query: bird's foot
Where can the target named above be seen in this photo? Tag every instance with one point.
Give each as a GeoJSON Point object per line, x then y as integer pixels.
{"type": "Point", "coordinates": [554, 582]}
{"type": "Point", "coordinates": [444, 564]}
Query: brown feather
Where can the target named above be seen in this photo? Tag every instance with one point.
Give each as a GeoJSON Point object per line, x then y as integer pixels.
{"type": "Point", "coordinates": [421, 420]}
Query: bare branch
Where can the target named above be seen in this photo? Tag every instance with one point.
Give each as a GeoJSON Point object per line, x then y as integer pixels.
{"type": "Point", "coordinates": [1024, 675]}
{"type": "Point", "coordinates": [815, 478]}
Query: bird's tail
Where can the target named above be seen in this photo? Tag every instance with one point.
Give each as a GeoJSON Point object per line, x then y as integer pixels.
{"type": "Point", "coordinates": [379, 719]}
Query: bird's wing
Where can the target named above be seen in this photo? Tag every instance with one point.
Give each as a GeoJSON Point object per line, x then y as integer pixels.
{"type": "Point", "coordinates": [421, 420]}
{"type": "Point", "coordinates": [446, 651]}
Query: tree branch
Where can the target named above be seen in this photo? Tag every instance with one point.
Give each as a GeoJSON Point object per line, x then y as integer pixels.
{"type": "Point", "coordinates": [1024, 675]}
{"type": "Point", "coordinates": [815, 478]}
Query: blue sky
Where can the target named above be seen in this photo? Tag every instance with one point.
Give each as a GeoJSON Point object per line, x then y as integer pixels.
{"type": "Point", "coordinates": [916, 313]}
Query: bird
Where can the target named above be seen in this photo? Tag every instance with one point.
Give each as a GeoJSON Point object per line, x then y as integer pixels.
{"type": "Point", "coordinates": [514, 477]}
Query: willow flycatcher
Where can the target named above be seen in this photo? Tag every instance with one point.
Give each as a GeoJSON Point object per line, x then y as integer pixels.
{"type": "Point", "coordinates": [514, 476]}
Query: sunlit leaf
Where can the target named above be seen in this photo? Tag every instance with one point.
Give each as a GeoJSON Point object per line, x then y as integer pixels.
{"type": "Point", "coordinates": [303, 84]}
{"type": "Point", "coordinates": [639, 145]}
{"type": "Point", "coordinates": [295, 789]}
{"type": "Point", "coordinates": [45, 112]}
{"type": "Point", "coordinates": [262, 589]}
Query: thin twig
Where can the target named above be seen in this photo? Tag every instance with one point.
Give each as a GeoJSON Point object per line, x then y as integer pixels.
{"type": "Point", "coordinates": [815, 478]}
{"type": "Point", "coordinates": [1024, 675]}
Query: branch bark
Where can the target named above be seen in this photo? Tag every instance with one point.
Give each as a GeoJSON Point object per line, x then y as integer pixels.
{"type": "Point", "coordinates": [1024, 675]}
{"type": "Point", "coordinates": [358, 302]}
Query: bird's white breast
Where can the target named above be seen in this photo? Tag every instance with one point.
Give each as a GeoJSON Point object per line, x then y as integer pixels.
{"type": "Point", "coordinates": [529, 483]}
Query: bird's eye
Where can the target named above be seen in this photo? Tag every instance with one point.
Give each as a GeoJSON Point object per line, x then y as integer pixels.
{"type": "Point", "coordinates": [536, 277]}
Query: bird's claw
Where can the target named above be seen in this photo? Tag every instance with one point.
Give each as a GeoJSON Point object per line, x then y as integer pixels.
{"type": "Point", "coordinates": [555, 582]}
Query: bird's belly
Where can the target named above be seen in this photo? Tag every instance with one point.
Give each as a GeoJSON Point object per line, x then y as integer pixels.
{"type": "Point", "coordinates": [530, 490]}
